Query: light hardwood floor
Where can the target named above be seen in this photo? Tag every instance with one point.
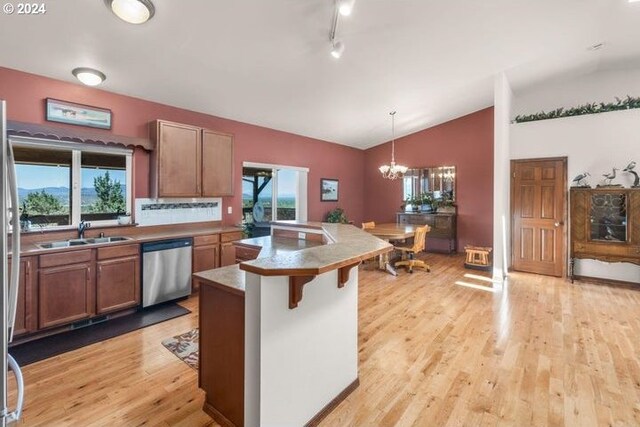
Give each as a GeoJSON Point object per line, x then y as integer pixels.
{"type": "Point", "coordinates": [432, 352]}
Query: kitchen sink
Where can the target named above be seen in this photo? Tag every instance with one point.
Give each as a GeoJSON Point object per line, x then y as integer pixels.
{"type": "Point", "coordinates": [63, 243]}
{"type": "Point", "coordinates": [79, 242]}
{"type": "Point", "coordinates": [107, 239]}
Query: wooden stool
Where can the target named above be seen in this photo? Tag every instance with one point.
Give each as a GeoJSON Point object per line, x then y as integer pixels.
{"type": "Point", "coordinates": [477, 257]}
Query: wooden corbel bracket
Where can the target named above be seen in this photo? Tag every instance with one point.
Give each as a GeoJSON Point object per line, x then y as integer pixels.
{"type": "Point", "coordinates": [343, 274]}
{"type": "Point", "coordinates": [296, 283]}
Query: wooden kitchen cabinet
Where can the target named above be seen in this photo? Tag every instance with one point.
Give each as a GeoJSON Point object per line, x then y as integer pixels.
{"type": "Point", "coordinates": [206, 255]}
{"type": "Point", "coordinates": [176, 160]}
{"type": "Point", "coordinates": [117, 278]}
{"type": "Point", "coordinates": [227, 248]}
{"type": "Point", "coordinates": [217, 164]}
{"type": "Point", "coordinates": [27, 308]}
{"type": "Point", "coordinates": [65, 294]}
{"type": "Point", "coordinates": [189, 161]}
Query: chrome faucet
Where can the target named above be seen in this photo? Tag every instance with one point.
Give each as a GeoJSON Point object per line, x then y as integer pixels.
{"type": "Point", "coordinates": [82, 227]}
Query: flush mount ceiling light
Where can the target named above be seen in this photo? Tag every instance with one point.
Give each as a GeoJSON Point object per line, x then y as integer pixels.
{"type": "Point", "coordinates": [346, 6]}
{"type": "Point", "coordinates": [634, 1]}
{"type": "Point", "coordinates": [393, 171]}
{"type": "Point", "coordinates": [132, 11]}
{"type": "Point", "coordinates": [89, 76]}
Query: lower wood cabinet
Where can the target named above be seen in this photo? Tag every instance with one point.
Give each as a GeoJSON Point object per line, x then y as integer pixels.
{"type": "Point", "coordinates": [65, 294]}
{"type": "Point", "coordinates": [27, 308]}
{"type": "Point", "coordinates": [227, 248]}
{"type": "Point", "coordinates": [117, 284]}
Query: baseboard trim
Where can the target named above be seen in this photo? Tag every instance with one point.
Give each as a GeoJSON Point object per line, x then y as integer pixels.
{"type": "Point", "coordinates": [333, 404]}
{"type": "Point", "coordinates": [610, 282]}
{"type": "Point", "coordinates": [217, 416]}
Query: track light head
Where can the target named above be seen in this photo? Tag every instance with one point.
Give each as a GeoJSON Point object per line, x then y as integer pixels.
{"type": "Point", "coordinates": [336, 49]}
{"type": "Point", "coordinates": [345, 7]}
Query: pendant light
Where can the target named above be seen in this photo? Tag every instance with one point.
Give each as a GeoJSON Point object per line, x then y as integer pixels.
{"type": "Point", "coordinates": [393, 171]}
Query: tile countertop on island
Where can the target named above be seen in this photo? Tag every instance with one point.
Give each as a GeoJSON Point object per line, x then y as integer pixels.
{"type": "Point", "coordinates": [284, 256]}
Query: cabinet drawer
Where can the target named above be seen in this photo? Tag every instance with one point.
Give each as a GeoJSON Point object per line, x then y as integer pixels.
{"type": "Point", "coordinates": [118, 251]}
{"type": "Point", "coordinates": [244, 253]}
{"type": "Point", "coordinates": [206, 240]}
{"type": "Point", "coordinates": [64, 258]}
{"type": "Point", "coordinates": [231, 237]}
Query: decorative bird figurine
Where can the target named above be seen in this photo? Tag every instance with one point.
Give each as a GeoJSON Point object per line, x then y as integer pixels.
{"type": "Point", "coordinates": [579, 180]}
{"type": "Point", "coordinates": [630, 169]}
{"type": "Point", "coordinates": [610, 176]}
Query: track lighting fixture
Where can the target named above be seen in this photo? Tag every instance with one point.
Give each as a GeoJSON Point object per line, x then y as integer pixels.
{"type": "Point", "coordinates": [345, 7]}
{"type": "Point", "coordinates": [336, 49]}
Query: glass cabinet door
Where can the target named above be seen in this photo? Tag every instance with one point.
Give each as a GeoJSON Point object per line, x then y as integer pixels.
{"type": "Point", "coordinates": [609, 217]}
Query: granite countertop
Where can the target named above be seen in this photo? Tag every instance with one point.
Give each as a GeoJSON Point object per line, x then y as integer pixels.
{"type": "Point", "coordinates": [28, 249]}
{"type": "Point", "coordinates": [230, 278]}
{"type": "Point", "coordinates": [273, 245]}
{"type": "Point", "coordinates": [348, 245]}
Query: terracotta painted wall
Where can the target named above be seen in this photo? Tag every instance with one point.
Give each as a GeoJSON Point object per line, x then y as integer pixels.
{"type": "Point", "coordinates": [467, 143]}
{"type": "Point", "coordinates": [25, 94]}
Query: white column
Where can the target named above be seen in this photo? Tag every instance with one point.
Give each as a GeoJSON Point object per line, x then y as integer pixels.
{"type": "Point", "coordinates": [503, 97]}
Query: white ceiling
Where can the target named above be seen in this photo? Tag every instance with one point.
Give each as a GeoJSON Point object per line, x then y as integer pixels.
{"type": "Point", "coordinates": [267, 62]}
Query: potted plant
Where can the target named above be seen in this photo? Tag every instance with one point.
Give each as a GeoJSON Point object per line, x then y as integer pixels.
{"type": "Point", "coordinates": [446, 205]}
{"type": "Point", "coordinates": [338, 216]}
{"type": "Point", "coordinates": [426, 202]}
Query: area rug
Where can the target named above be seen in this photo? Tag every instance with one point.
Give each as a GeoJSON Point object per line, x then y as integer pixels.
{"type": "Point", "coordinates": [185, 347]}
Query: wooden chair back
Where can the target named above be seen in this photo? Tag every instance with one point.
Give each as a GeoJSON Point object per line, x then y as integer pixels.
{"type": "Point", "coordinates": [368, 225]}
{"type": "Point", "coordinates": [420, 238]}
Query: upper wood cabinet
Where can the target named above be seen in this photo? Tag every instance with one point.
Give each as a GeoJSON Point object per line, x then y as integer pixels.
{"type": "Point", "coordinates": [190, 161]}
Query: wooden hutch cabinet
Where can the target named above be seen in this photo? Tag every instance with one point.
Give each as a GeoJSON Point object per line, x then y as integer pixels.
{"type": "Point", "coordinates": [443, 225]}
{"type": "Point", "coordinates": [605, 225]}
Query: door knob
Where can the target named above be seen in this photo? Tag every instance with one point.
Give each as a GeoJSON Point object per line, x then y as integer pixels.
{"type": "Point", "coordinates": [558, 224]}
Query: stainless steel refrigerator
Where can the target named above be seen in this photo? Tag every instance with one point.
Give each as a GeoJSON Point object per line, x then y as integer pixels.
{"type": "Point", "coordinates": [9, 230]}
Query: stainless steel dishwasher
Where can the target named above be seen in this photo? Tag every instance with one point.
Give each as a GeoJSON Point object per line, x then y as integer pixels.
{"type": "Point", "coordinates": [166, 270]}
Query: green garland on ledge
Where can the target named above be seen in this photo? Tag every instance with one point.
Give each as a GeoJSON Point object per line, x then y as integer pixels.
{"type": "Point", "coordinates": [620, 104]}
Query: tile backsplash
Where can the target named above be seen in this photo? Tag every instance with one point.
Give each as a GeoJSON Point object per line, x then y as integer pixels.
{"type": "Point", "coordinates": [177, 211]}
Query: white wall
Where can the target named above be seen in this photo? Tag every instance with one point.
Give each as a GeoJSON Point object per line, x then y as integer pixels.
{"type": "Point", "coordinates": [297, 361]}
{"type": "Point", "coordinates": [503, 98]}
{"type": "Point", "coordinates": [593, 143]}
{"type": "Point", "coordinates": [601, 86]}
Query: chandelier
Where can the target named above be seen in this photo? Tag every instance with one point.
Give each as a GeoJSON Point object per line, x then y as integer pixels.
{"type": "Point", "coordinates": [392, 171]}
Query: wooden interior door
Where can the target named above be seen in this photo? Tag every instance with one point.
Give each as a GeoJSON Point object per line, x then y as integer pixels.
{"type": "Point", "coordinates": [538, 209]}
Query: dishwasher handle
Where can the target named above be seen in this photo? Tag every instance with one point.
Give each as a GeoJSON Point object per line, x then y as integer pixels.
{"type": "Point", "coordinates": [163, 245]}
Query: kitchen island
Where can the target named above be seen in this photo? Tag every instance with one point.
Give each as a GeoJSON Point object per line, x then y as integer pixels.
{"type": "Point", "coordinates": [279, 334]}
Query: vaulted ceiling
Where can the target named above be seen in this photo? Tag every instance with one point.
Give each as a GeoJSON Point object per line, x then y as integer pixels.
{"type": "Point", "coordinates": [268, 62]}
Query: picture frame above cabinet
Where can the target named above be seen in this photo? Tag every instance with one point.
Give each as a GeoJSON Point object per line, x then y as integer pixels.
{"type": "Point", "coordinates": [189, 161]}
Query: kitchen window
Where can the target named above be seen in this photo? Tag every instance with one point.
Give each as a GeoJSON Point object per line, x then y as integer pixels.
{"type": "Point", "coordinates": [273, 192]}
{"type": "Point", "coordinates": [62, 183]}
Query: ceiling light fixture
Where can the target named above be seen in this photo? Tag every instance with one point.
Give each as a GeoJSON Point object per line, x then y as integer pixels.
{"type": "Point", "coordinates": [345, 7]}
{"type": "Point", "coordinates": [342, 7]}
{"type": "Point", "coordinates": [634, 1]}
{"type": "Point", "coordinates": [89, 76]}
{"type": "Point", "coordinates": [132, 11]}
{"type": "Point", "coordinates": [337, 49]}
{"type": "Point", "coordinates": [393, 171]}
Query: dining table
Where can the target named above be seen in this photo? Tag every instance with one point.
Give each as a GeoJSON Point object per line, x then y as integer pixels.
{"type": "Point", "coordinates": [391, 232]}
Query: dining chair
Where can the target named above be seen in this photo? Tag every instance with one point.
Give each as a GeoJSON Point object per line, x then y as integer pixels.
{"type": "Point", "coordinates": [367, 226]}
{"type": "Point", "coordinates": [408, 253]}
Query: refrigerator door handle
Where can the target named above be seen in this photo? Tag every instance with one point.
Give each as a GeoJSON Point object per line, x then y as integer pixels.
{"type": "Point", "coordinates": [13, 365]}
{"type": "Point", "coordinates": [15, 241]}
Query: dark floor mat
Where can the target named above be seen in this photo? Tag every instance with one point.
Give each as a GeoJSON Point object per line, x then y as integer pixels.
{"type": "Point", "coordinates": [34, 351]}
